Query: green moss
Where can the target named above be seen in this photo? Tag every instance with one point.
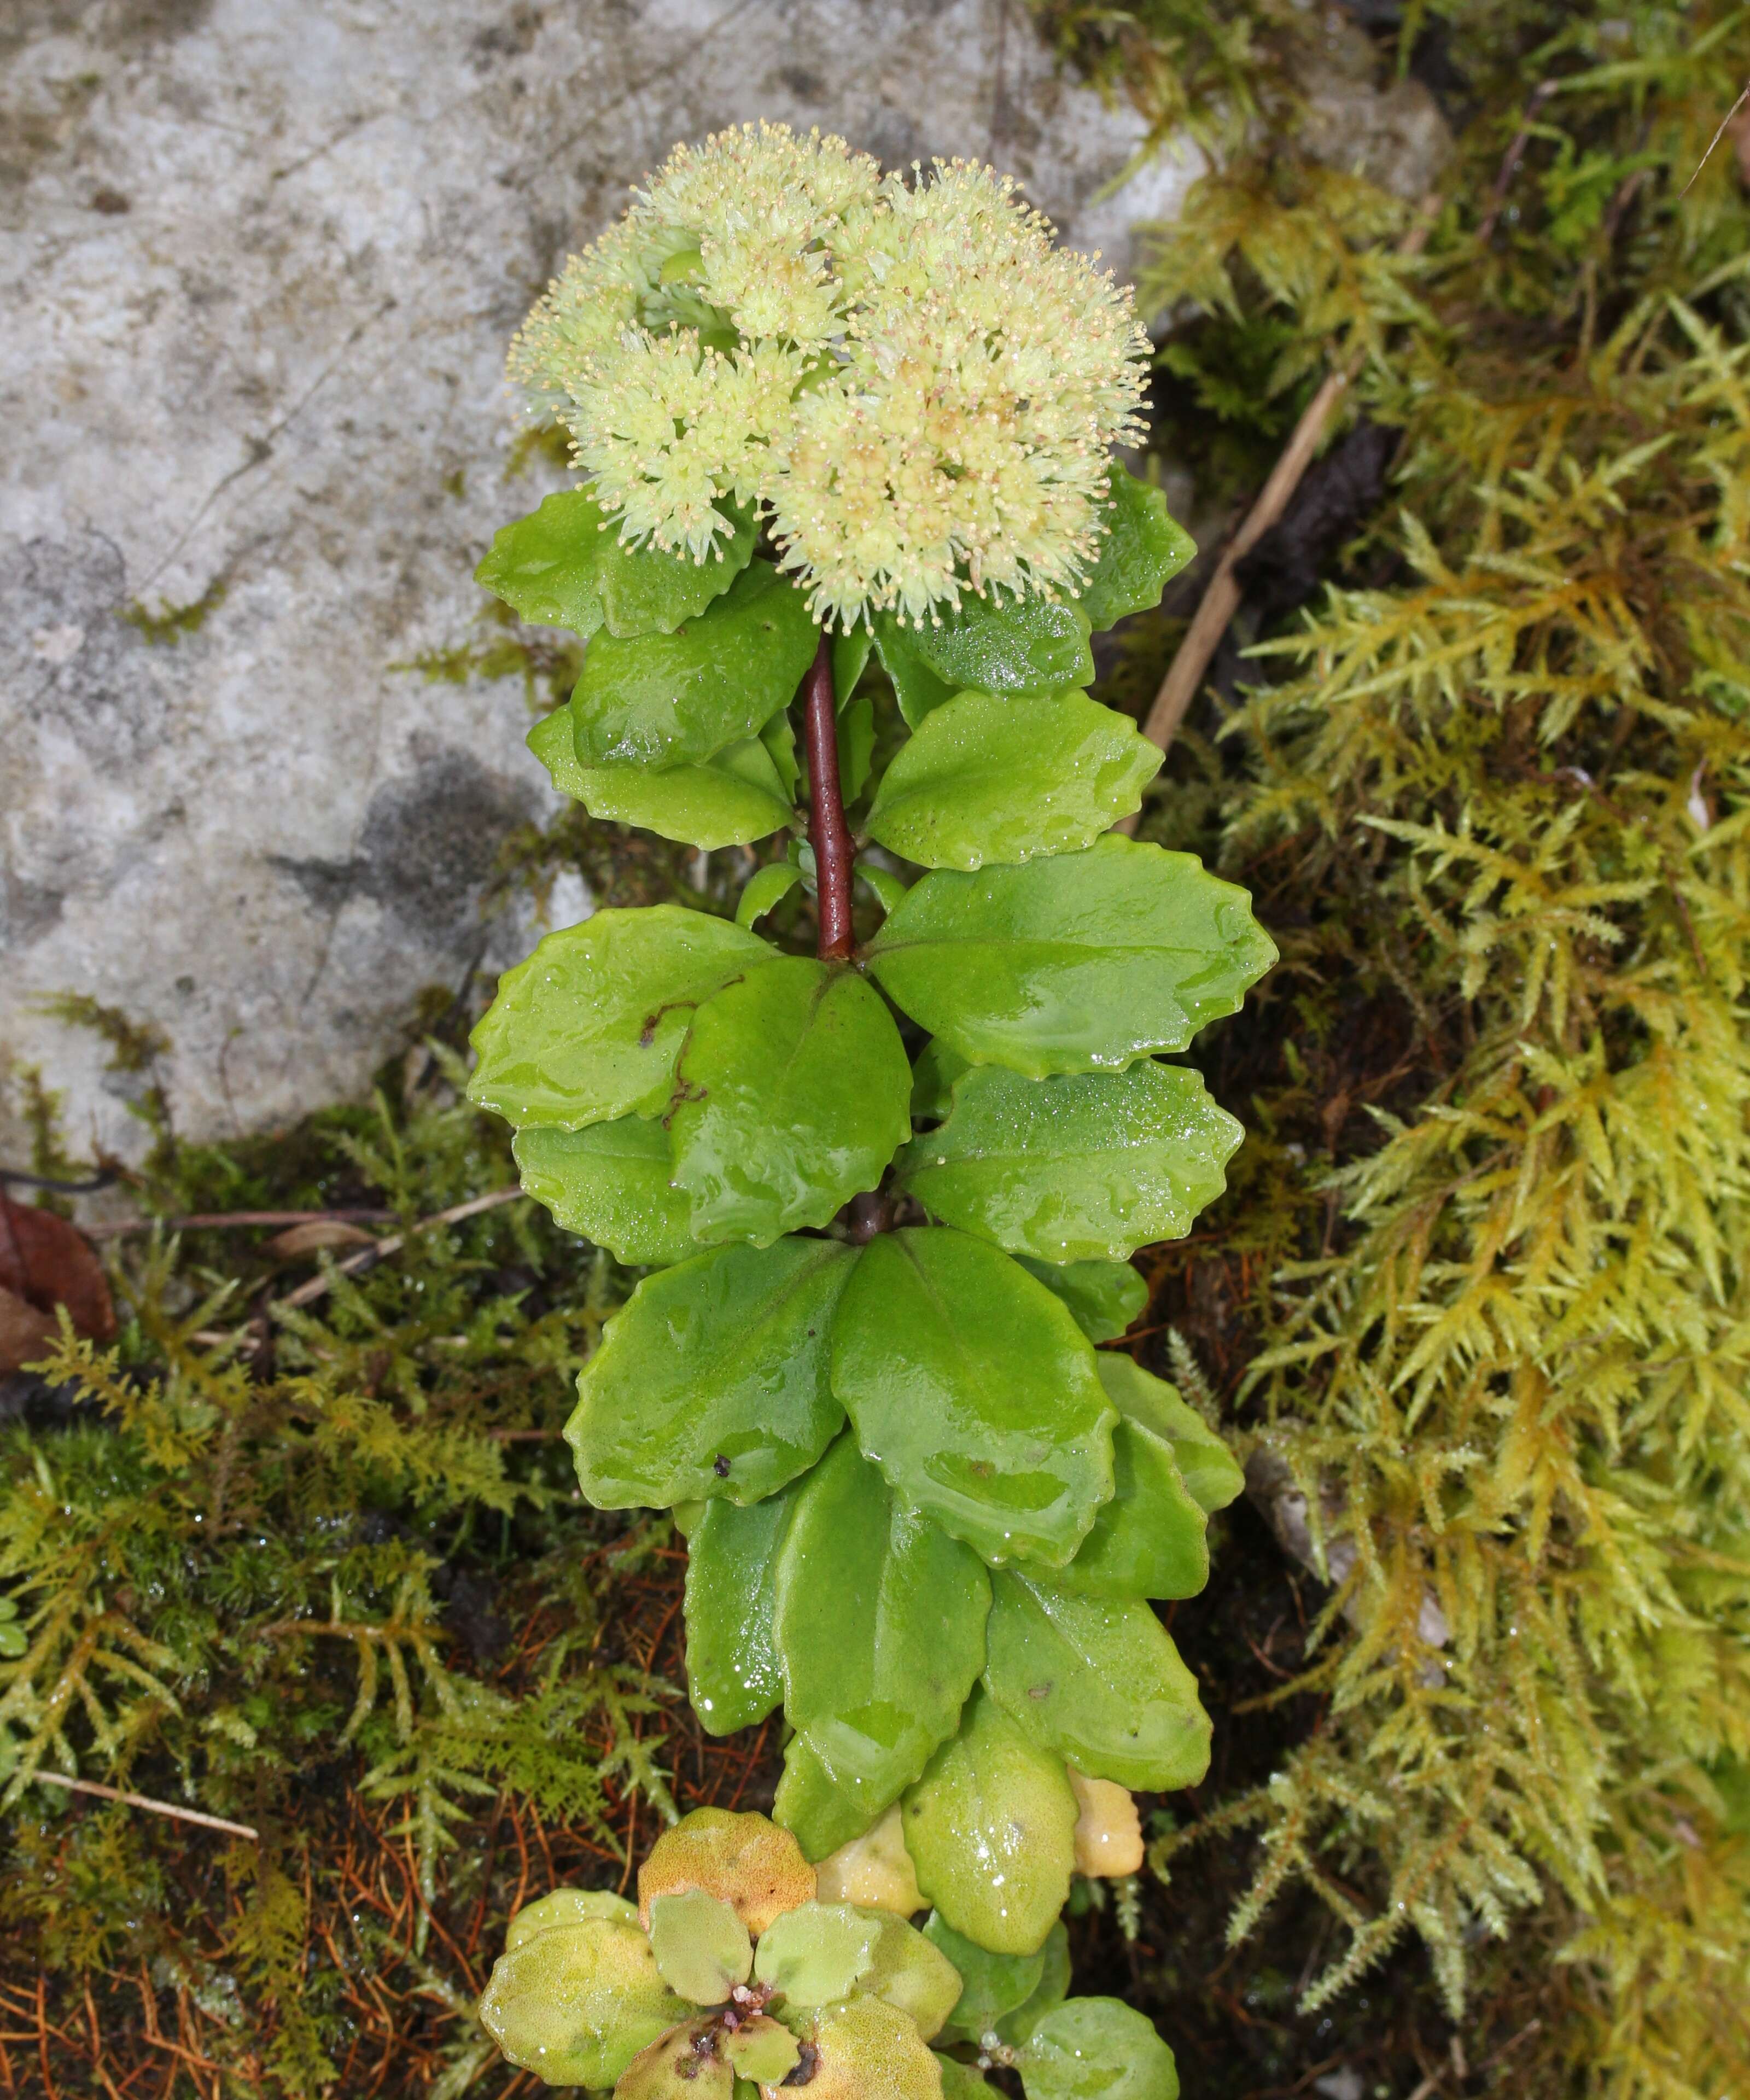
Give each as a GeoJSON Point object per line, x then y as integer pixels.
{"type": "Point", "coordinates": [40, 1110]}
{"type": "Point", "coordinates": [1480, 1276]}
{"type": "Point", "coordinates": [546, 443]}
{"type": "Point", "coordinates": [170, 623]}
{"type": "Point", "coordinates": [322, 1571]}
{"type": "Point", "coordinates": [134, 1046]}
{"type": "Point", "coordinates": [134, 1049]}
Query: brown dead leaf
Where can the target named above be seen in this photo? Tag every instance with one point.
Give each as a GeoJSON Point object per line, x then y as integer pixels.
{"type": "Point", "coordinates": [315, 1232]}
{"type": "Point", "coordinates": [25, 1333]}
{"type": "Point", "coordinates": [45, 1262]}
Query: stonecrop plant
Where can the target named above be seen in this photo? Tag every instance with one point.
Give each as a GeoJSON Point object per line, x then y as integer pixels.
{"type": "Point", "coordinates": [847, 443]}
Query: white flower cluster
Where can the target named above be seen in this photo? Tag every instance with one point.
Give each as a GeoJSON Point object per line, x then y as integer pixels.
{"type": "Point", "coordinates": [913, 385]}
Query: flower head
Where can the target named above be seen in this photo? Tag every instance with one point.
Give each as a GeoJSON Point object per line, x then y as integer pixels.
{"type": "Point", "coordinates": [914, 385]}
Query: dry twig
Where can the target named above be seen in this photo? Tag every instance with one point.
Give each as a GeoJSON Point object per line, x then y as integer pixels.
{"type": "Point", "coordinates": [1726, 123]}
{"type": "Point", "coordinates": [226, 1221]}
{"type": "Point", "coordinates": [305, 1293]}
{"type": "Point", "coordinates": [144, 1801]}
{"type": "Point", "coordinates": [254, 1337]}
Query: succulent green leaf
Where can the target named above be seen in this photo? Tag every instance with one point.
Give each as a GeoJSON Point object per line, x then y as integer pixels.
{"type": "Point", "coordinates": [567, 1906]}
{"type": "Point", "coordinates": [1096, 1681]}
{"type": "Point", "coordinates": [856, 747]}
{"type": "Point", "coordinates": [865, 2049]}
{"type": "Point", "coordinates": [883, 886]}
{"type": "Point", "coordinates": [779, 738]}
{"type": "Point", "coordinates": [576, 2003]}
{"type": "Point", "coordinates": [991, 1985]}
{"type": "Point", "coordinates": [666, 699]}
{"type": "Point", "coordinates": [761, 2051]}
{"type": "Point", "coordinates": [702, 1947]}
{"type": "Point", "coordinates": [850, 653]}
{"type": "Point", "coordinates": [879, 1622]}
{"type": "Point", "coordinates": [544, 566]}
{"type": "Point", "coordinates": [973, 1390]}
{"type": "Point", "coordinates": [1097, 2048]}
{"type": "Point", "coordinates": [565, 565]}
{"type": "Point", "coordinates": [1212, 1477]}
{"type": "Point", "coordinates": [729, 800]}
{"type": "Point", "coordinates": [1031, 645]}
{"type": "Point", "coordinates": [769, 886]}
{"type": "Point", "coordinates": [683, 2065]}
{"type": "Point", "coordinates": [589, 1028]}
{"type": "Point", "coordinates": [1104, 1297]}
{"type": "Point", "coordinates": [1079, 962]}
{"type": "Point", "coordinates": [712, 1379]}
{"type": "Point", "coordinates": [990, 1827]}
{"type": "Point", "coordinates": [990, 777]}
{"type": "Point", "coordinates": [1150, 1540]}
{"type": "Point", "coordinates": [822, 1802]}
{"type": "Point", "coordinates": [732, 1674]}
{"type": "Point", "coordinates": [962, 2082]}
{"type": "Point", "coordinates": [1081, 1168]}
{"type": "Point", "coordinates": [644, 591]}
{"type": "Point", "coordinates": [792, 1097]}
{"type": "Point", "coordinates": [912, 1974]}
{"type": "Point", "coordinates": [1142, 550]}
{"type": "Point", "coordinates": [609, 1183]}
{"type": "Point", "coordinates": [916, 687]}
{"type": "Point", "coordinates": [1049, 1992]}
{"type": "Point", "coordinates": [932, 1078]}
{"type": "Point", "coordinates": [817, 1953]}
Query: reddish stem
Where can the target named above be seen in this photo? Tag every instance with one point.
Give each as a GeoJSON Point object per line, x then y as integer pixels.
{"type": "Point", "coordinates": [828, 833]}
{"type": "Point", "coordinates": [870, 1215]}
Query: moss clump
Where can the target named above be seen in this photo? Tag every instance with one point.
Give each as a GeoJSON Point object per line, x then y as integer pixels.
{"type": "Point", "coordinates": [1481, 1282]}
{"type": "Point", "coordinates": [168, 625]}
{"type": "Point", "coordinates": [319, 1570]}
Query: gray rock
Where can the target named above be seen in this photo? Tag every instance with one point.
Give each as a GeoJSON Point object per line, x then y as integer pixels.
{"type": "Point", "coordinates": [258, 263]}
{"type": "Point", "coordinates": [1395, 137]}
